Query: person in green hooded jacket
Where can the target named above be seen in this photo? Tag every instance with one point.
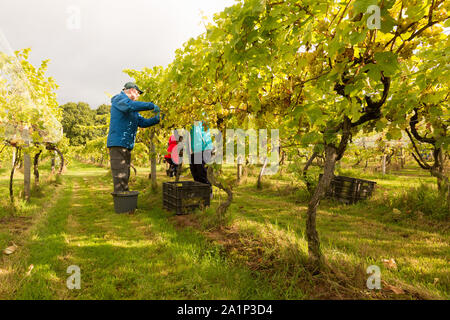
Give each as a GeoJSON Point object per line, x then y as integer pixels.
{"type": "Point", "coordinates": [201, 151]}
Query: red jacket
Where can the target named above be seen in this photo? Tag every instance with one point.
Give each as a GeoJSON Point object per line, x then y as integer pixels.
{"type": "Point", "coordinates": [172, 145]}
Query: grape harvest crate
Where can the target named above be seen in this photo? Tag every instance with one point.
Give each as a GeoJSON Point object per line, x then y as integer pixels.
{"type": "Point", "coordinates": [184, 197]}
{"type": "Point", "coordinates": [350, 190]}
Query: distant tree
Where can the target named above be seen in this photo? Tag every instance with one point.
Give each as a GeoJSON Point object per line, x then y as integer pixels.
{"type": "Point", "coordinates": [102, 118]}
{"type": "Point", "coordinates": [103, 109]}
{"type": "Point", "coordinates": [77, 116]}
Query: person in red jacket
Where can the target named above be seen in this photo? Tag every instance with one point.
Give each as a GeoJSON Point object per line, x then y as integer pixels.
{"type": "Point", "coordinates": [172, 157]}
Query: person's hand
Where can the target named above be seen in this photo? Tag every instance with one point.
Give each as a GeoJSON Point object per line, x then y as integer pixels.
{"type": "Point", "coordinates": [156, 109]}
{"type": "Point", "coordinates": [159, 116]}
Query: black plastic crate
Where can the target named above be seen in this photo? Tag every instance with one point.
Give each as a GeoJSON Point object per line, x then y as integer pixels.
{"type": "Point", "coordinates": [184, 197]}
{"type": "Point", "coordinates": [350, 190]}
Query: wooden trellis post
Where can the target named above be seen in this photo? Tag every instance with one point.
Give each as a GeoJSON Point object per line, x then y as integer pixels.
{"type": "Point", "coordinates": [26, 176]}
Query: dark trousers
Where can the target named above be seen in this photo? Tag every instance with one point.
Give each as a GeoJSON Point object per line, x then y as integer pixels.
{"type": "Point", "coordinates": [199, 171]}
{"type": "Point", "coordinates": [173, 168]}
{"type": "Point", "coordinates": [120, 167]}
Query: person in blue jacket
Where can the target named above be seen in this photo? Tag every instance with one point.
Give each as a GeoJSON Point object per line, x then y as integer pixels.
{"type": "Point", "coordinates": [201, 151]}
{"type": "Point", "coordinates": [125, 120]}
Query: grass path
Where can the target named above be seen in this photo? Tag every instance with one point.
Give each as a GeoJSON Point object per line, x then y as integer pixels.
{"type": "Point", "coordinates": [355, 236]}
{"type": "Point", "coordinates": [261, 255]}
{"type": "Point", "coordinates": [121, 256]}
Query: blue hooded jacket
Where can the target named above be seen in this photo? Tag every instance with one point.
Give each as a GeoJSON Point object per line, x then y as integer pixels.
{"type": "Point", "coordinates": [125, 120]}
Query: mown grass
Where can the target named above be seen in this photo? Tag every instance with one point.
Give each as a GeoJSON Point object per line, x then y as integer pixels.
{"type": "Point", "coordinates": [120, 256]}
{"type": "Point", "coordinates": [395, 223]}
{"type": "Point", "coordinates": [261, 254]}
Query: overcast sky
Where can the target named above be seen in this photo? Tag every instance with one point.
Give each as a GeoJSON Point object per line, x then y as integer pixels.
{"type": "Point", "coordinates": [90, 42]}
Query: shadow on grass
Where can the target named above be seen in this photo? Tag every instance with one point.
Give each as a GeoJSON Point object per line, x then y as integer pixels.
{"type": "Point", "coordinates": [353, 236]}
{"type": "Point", "coordinates": [118, 260]}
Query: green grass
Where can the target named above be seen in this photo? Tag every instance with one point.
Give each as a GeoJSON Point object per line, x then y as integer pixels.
{"type": "Point", "coordinates": [261, 254]}
{"type": "Point", "coordinates": [359, 235]}
{"type": "Point", "coordinates": [120, 256]}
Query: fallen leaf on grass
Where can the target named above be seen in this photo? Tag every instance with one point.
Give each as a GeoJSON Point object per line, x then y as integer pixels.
{"type": "Point", "coordinates": [390, 264]}
{"type": "Point", "coordinates": [30, 268]}
{"type": "Point", "coordinates": [10, 250]}
{"type": "Point", "coordinates": [395, 290]}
